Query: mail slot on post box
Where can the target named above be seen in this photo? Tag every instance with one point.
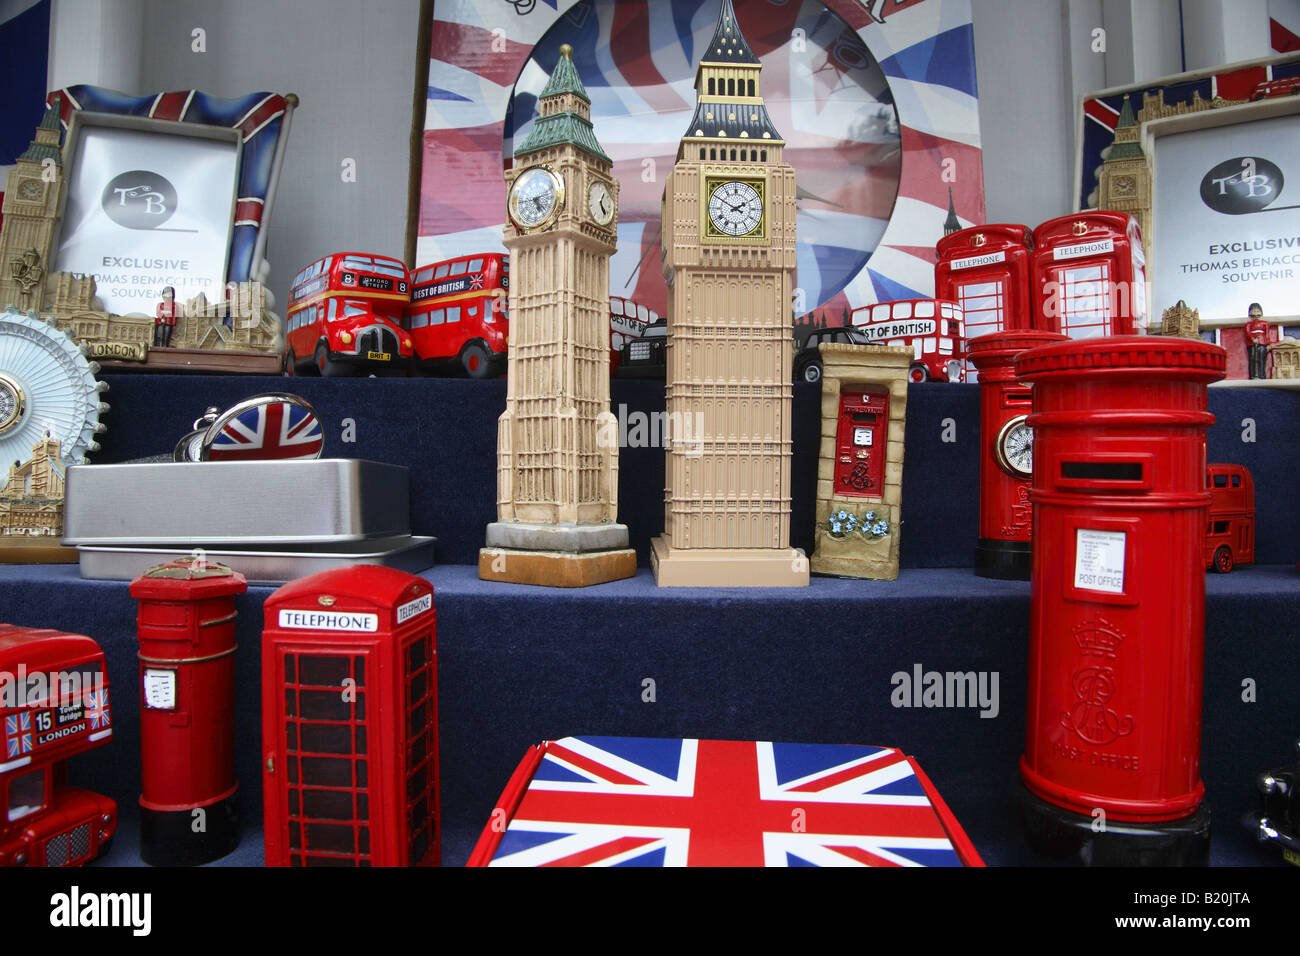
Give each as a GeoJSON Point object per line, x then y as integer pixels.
{"type": "Point", "coordinates": [186, 627]}
{"type": "Point", "coordinates": [1089, 275]}
{"type": "Point", "coordinates": [350, 720]}
{"type": "Point", "coordinates": [860, 443]}
{"type": "Point", "coordinates": [1117, 606]}
{"type": "Point", "coordinates": [985, 270]}
{"type": "Point", "coordinates": [1006, 453]}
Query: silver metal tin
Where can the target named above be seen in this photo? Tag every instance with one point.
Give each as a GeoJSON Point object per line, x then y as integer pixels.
{"type": "Point", "coordinates": [404, 552]}
{"type": "Point", "coordinates": [240, 504]}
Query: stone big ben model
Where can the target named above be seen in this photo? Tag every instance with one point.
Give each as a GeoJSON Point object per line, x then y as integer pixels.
{"type": "Point", "coordinates": [729, 261]}
{"type": "Point", "coordinates": [33, 203]}
{"type": "Point", "coordinates": [557, 443]}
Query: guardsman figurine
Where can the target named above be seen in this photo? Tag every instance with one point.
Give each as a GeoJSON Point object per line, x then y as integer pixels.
{"type": "Point", "coordinates": [164, 322]}
{"type": "Point", "coordinates": [1257, 333]}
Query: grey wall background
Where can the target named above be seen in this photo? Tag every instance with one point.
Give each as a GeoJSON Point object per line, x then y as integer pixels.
{"type": "Point", "coordinates": [352, 63]}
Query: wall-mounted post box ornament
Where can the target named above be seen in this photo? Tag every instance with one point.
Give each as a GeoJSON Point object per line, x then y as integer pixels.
{"type": "Point", "coordinates": [53, 706]}
{"type": "Point", "coordinates": [985, 270]}
{"type": "Point", "coordinates": [1089, 275]}
{"type": "Point", "coordinates": [186, 628]}
{"type": "Point", "coordinates": [860, 471]}
{"type": "Point", "coordinates": [350, 720]}
{"type": "Point", "coordinates": [1006, 453]}
{"type": "Point", "coordinates": [1117, 605]}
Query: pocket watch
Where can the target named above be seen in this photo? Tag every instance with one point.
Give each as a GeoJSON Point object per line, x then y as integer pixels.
{"type": "Point", "coordinates": [1015, 447]}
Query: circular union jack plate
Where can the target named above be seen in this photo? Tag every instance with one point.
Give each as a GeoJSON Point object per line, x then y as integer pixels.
{"type": "Point", "coordinates": [271, 427]}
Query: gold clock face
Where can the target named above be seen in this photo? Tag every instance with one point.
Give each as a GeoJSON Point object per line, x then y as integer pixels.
{"type": "Point", "coordinates": [600, 203]}
{"type": "Point", "coordinates": [12, 403]}
{"type": "Point", "coordinates": [735, 208]}
{"type": "Point", "coordinates": [536, 198]}
{"type": "Point", "coordinates": [1015, 448]}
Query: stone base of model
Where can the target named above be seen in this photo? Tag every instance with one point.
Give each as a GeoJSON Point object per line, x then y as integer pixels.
{"type": "Point", "coordinates": [727, 567]}
{"type": "Point", "coordinates": [564, 555]}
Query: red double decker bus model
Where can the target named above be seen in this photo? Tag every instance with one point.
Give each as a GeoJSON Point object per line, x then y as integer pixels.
{"type": "Point", "coordinates": [930, 327]}
{"type": "Point", "coordinates": [985, 270]}
{"type": "Point", "coordinates": [458, 314]}
{"type": "Point", "coordinates": [628, 321]}
{"type": "Point", "coordinates": [345, 315]}
{"type": "Point", "coordinates": [53, 705]}
{"type": "Point", "coordinates": [1089, 275]}
{"type": "Point", "coordinates": [1230, 536]}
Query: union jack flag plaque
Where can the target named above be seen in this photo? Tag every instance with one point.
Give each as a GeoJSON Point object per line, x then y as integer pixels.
{"type": "Point", "coordinates": [265, 427]}
{"type": "Point", "coordinates": [633, 801]}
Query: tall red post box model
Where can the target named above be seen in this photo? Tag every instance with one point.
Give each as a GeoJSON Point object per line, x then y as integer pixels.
{"type": "Point", "coordinates": [1117, 607]}
{"type": "Point", "coordinates": [1089, 275]}
{"type": "Point", "coordinates": [53, 705]}
{"type": "Point", "coordinates": [350, 721]}
{"type": "Point", "coordinates": [185, 623]}
{"type": "Point", "coordinates": [985, 270]}
{"type": "Point", "coordinates": [1006, 453]}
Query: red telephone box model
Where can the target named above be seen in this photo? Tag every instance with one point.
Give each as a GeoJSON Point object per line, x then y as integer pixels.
{"type": "Point", "coordinates": [1230, 534]}
{"type": "Point", "coordinates": [1006, 455]}
{"type": "Point", "coordinates": [350, 721]}
{"type": "Point", "coordinates": [860, 442]}
{"type": "Point", "coordinates": [985, 270]}
{"type": "Point", "coordinates": [186, 629]}
{"type": "Point", "coordinates": [1089, 275]}
{"type": "Point", "coordinates": [53, 705]}
{"type": "Point", "coordinates": [1117, 604]}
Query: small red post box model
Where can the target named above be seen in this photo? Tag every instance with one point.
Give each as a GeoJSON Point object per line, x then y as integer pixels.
{"type": "Point", "coordinates": [186, 628]}
{"type": "Point", "coordinates": [53, 705]}
{"type": "Point", "coordinates": [1089, 275]}
{"type": "Point", "coordinates": [1006, 455]}
{"type": "Point", "coordinates": [1117, 605]}
{"type": "Point", "coordinates": [350, 721]}
{"type": "Point", "coordinates": [985, 270]}
{"type": "Point", "coordinates": [861, 439]}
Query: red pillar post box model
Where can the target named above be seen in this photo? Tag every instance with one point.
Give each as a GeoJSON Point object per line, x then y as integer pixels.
{"type": "Point", "coordinates": [1089, 275]}
{"type": "Point", "coordinates": [350, 721]}
{"type": "Point", "coordinates": [1117, 608]}
{"type": "Point", "coordinates": [985, 270]}
{"type": "Point", "coordinates": [1006, 453]}
{"type": "Point", "coordinates": [53, 705]}
{"type": "Point", "coordinates": [186, 628]}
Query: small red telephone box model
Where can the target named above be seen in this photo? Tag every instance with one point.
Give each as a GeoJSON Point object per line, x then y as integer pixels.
{"type": "Point", "coordinates": [350, 721]}
{"type": "Point", "coordinates": [1230, 535]}
{"type": "Point", "coordinates": [1006, 453]}
{"type": "Point", "coordinates": [1117, 603]}
{"type": "Point", "coordinates": [861, 438]}
{"type": "Point", "coordinates": [53, 705]}
{"type": "Point", "coordinates": [1089, 275]}
{"type": "Point", "coordinates": [985, 270]}
{"type": "Point", "coordinates": [186, 628]}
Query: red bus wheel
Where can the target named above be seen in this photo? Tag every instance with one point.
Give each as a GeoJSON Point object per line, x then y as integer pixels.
{"type": "Point", "coordinates": [476, 361]}
{"type": "Point", "coordinates": [918, 373]}
{"type": "Point", "coordinates": [1223, 559]}
{"type": "Point", "coordinates": [290, 360]}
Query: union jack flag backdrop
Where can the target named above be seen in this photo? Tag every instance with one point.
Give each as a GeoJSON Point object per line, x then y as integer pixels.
{"type": "Point", "coordinates": [634, 801]}
{"type": "Point", "coordinates": [880, 116]}
{"type": "Point", "coordinates": [272, 430]}
{"type": "Point", "coordinates": [258, 116]}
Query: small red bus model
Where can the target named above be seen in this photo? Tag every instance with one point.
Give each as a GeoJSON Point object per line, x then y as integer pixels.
{"type": "Point", "coordinates": [628, 320]}
{"type": "Point", "coordinates": [53, 705]}
{"type": "Point", "coordinates": [932, 328]}
{"type": "Point", "coordinates": [1230, 536]}
{"type": "Point", "coordinates": [345, 315]}
{"type": "Point", "coordinates": [458, 314]}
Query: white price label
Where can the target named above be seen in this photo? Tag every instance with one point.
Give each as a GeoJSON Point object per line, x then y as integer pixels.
{"type": "Point", "coordinates": [1099, 560]}
{"type": "Point", "coordinates": [159, 688]}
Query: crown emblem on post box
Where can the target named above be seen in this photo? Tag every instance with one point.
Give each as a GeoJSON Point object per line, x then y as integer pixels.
{"type": "Point", "coordinates": [1098, 638]}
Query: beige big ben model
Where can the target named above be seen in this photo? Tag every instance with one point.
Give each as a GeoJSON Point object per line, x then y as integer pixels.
{"type": "Point", "coordinates": [729, 261]}
{"type": "Point", "coordinates": [557, 443]}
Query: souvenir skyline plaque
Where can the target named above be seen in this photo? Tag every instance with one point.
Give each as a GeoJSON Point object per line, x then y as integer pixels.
{"type": "Point", "coordinates": [557, 445]}
{"type": "Point", "coordinates": [729, 260]}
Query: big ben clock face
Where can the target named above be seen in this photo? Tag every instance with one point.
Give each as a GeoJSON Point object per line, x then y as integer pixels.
{"type": "Point", "coordinates": [600, 203]}
{"type": "Point", "coordinates": [1015, 448]}
{"type": "Point", "coordinates": [535, 198]}
{"type": "Point", "coordinates": [735, 209]}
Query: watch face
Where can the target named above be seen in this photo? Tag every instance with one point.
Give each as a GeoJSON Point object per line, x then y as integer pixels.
{"type": "Point", "coordinates": [535, 197]}
{"type": "Point", "coordinates": [1015, 447]}
{"type": "Point", "coordinates": [600, 203]}
{"type": "Point", "coordinates": [11, 402]}
{"type": "Point", "coordinates": [735, 208]}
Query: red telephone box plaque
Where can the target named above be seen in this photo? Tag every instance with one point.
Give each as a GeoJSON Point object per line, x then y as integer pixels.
{"type": "Point", "coordinates": [860, 442]}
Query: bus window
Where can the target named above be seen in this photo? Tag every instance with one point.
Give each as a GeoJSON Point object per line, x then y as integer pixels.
{"type": "Point", "coordinates": [643, 313]}
{"type": "Point", "coordinates": [453, 313]}
{"type": "Point", "coordinates": [26, 793]}
{"type": "Point", "coordinates": [924, 310]}
{"type": "Point", "coordinates": [615, 307]}
{"type": "Point", "coordinates": [437, 317]}
{"type": "Point", "coordinates": [441, 272]}
{"type": "Point", "coordinates": [424, 275]}
{"type": "Point", "coordinates": [475, 265]}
